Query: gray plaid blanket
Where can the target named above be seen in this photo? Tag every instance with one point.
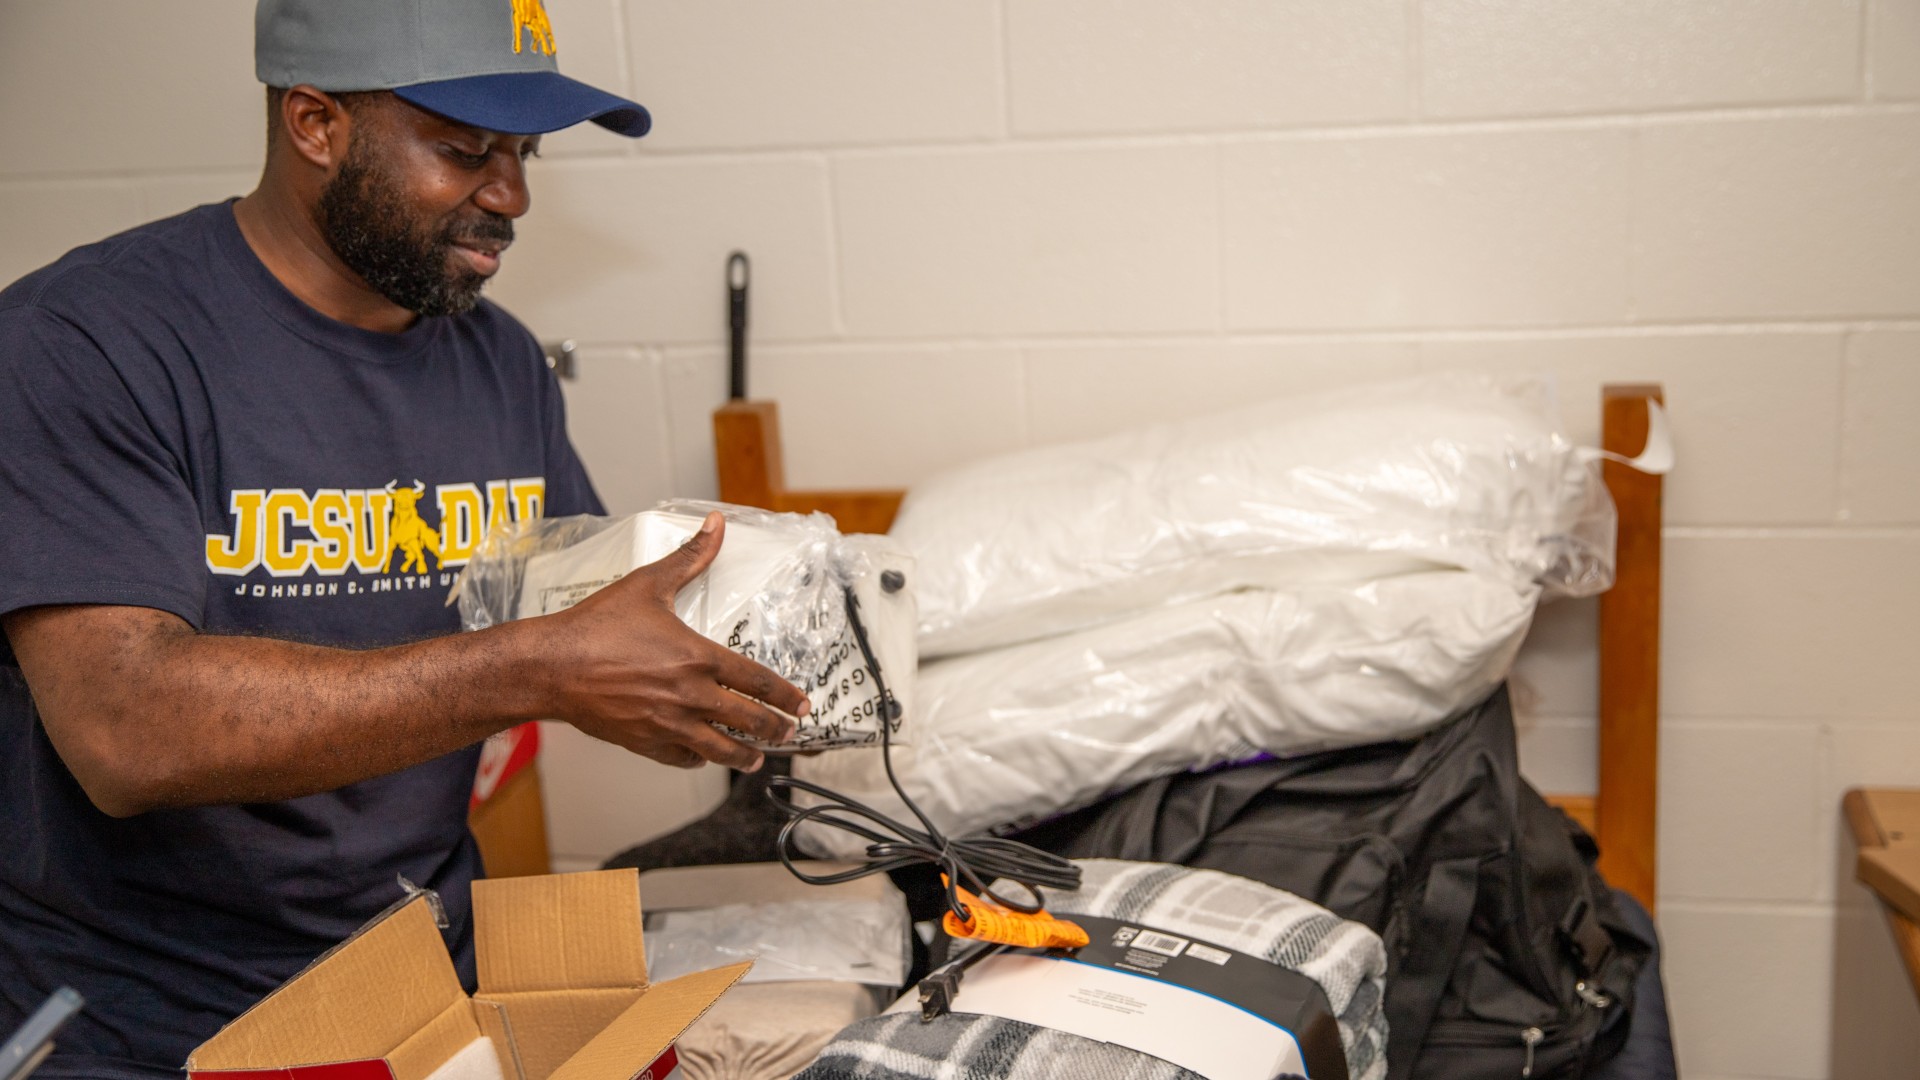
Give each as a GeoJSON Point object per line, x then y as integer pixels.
{"type": "Point", "coordinates": [1345, 958]}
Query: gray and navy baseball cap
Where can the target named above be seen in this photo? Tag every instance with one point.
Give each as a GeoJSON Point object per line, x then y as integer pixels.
{"type": "Point", "coordinates": [488, 63]}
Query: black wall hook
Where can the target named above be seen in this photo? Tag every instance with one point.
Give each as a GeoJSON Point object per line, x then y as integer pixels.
{"type": "Point", "coordinates": [738, 271]}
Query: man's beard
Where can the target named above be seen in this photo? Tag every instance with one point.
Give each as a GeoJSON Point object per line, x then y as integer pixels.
{"type": "Point", "coordinates": [365, 220]}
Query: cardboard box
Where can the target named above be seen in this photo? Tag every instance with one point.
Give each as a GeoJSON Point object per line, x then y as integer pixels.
{"type": "Point", "coordinates": [563, 995]}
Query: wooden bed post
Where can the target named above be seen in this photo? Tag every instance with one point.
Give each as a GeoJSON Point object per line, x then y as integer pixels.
{"type": "Point", "coordinates": [746, 450]}
{"type": "Point", "coordinates": [1628, 799]}
{"type": "Point", "coordinates": [746, 441]}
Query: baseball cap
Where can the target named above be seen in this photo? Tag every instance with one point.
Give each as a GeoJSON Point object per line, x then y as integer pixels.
{"type": "Point", "coordinates": [488, 63]}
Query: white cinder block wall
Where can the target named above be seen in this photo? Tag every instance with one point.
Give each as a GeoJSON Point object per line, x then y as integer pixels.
{"type": "Point", "coordinates": [986, 224]}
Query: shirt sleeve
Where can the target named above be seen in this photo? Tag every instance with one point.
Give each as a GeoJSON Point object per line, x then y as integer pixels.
{"type": "Point", "coordinates": [95, 508]}
{"type": "Point", "coordinates": [569, 490]}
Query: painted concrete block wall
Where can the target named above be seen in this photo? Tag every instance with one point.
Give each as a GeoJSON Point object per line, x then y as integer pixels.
{"type": "Point", "coordinates": [990, 224]}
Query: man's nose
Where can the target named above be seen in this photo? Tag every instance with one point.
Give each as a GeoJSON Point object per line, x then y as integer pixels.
{"type": "Point", "coordinates": [505, 191]}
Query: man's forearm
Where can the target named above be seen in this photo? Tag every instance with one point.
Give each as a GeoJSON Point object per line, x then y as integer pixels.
{"type": "Point", "coordinates": [147, 713]}
{"type": "Point", "coordinates": [177, 718]}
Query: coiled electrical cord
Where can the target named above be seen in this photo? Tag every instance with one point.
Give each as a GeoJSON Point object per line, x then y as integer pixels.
{"type": "Point", "coordinates": [966, 862]}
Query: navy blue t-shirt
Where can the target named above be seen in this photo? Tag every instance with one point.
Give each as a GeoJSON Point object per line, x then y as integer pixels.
{"type": "Point", "coordinates": [178, 431]}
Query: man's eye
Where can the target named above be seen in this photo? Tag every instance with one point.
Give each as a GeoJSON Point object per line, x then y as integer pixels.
{"type": "Point", "coordinates": [471, 161]}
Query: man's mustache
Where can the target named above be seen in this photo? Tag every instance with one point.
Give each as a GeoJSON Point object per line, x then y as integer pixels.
{"type": "Point", "coordinates": [492, 227]}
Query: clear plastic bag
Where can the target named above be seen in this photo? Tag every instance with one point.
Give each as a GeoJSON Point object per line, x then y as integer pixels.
{"type": "Point", "coordinates": [1006, 737]}
{"type": "Point", "coordinates": [859, 941]}
{"type": "Point", "coordinates": [1459, 471]}
{"type": "Point", "coordinates": [775, 593]}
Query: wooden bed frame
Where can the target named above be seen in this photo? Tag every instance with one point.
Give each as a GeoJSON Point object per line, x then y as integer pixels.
{"type": "Point", "coordinates": [1882, 820]}
{"type": "Point", "coordinates": [1621, 813]}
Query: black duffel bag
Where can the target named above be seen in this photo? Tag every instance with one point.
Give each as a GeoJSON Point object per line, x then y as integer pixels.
{"type": "Point", "coordinates": [1507, 954]}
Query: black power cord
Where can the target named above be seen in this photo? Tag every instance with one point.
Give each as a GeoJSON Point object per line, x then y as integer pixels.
{"type": "Point", "coordinates": [942, 985]}
{"type": "Point", "coordinates": [968, 862]}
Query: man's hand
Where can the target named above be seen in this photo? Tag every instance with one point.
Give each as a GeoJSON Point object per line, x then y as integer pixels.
{"type": "Point", "coordinates": [632, 673]}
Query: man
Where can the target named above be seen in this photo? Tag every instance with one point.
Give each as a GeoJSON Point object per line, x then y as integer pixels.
{"type": "Point", "coordinates": [232, 711]}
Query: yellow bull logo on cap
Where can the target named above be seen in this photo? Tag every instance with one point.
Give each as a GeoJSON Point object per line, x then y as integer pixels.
{"type": "Point", "coordinates": [530, 19]}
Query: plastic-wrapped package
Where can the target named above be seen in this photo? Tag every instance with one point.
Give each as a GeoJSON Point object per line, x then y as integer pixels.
{"type": "Point", "coordinates": [1347, 960]}
{"type": "Point", "coordinates": [770, 1030]}
{"type": "Point", "coordinates": [774, 593]}
{"type": "Point", "coordinates": [1008, 736]}
{"type": "Point", "coordinates": [837, 940]}
{"type": "Point", "coordinates": [1455, 471]}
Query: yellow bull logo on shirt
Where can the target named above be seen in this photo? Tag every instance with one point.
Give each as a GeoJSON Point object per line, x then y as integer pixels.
{"type": "Point", "coordinates": [407, 532]}
{"type": "Point", "coordinates": [292, 532]}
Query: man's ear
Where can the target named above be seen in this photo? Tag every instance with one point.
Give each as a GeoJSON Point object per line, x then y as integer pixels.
{"type": "Point", "coordinates": [316, 127]}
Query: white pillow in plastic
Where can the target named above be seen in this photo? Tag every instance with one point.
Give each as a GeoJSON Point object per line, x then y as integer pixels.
{"type": "Point", "coordinates": [1006, 737]}
{"type": "Point", "coordinates": [1449, 471]}
{"type": "Point", "coordinates": [774, 593]}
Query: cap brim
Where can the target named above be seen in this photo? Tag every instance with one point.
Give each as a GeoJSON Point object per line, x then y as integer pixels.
{"type": "Point", "coordinates": [527, 103]}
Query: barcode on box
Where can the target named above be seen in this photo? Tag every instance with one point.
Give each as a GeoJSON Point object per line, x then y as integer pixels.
{"type": "Point", "coordinates": [1165, 944]}
{"type": "Point", "coordinates": [1208, 953]}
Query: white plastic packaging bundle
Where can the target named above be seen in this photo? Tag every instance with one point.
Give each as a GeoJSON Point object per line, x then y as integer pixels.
{"type": "Point", "coordinates": [836, 940]}
{"type": "Point", "coordinates": [775, 593]}
{"type": "Point", "coordinates": [1008, 736]}
{"type": "Point", "coordinates": [1461, 471]}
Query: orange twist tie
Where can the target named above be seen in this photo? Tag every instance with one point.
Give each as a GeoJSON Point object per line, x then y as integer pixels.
{"type": "Point", "coordinates": [992, 922]}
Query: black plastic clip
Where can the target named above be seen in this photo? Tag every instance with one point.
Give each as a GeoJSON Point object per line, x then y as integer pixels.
{"type": "Point", "coordinates": [1586, 939]}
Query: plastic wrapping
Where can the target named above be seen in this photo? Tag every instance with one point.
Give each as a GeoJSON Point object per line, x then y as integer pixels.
{"type": "Point", "coordinates": [774, 593]}
{"type": "Point", "coordinates": [858, 941]}
{"type": "Point", "coordinates": [1459, 471]}
{"type": "Point", "coordinates": [1008, 736]}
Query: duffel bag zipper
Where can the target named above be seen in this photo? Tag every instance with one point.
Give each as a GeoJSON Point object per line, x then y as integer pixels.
{"type": "Point", "coordinates": [1475, 1033]}
{"type": "Point", "coordinates": [1531, 1037]}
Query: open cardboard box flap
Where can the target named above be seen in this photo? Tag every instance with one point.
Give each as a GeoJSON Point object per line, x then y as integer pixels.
{"type": "Point", "coordinates": [563, 994]}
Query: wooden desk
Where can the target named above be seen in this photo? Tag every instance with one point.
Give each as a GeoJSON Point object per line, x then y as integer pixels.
{"type": "Point", "coordinates": [1886, 825]}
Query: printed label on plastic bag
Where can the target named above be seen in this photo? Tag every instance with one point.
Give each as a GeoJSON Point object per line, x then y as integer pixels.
{"type": "Point", "coordinates": [775, 593]}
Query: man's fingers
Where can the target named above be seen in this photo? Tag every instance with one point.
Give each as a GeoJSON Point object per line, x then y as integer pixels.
{"type": "Point", "coordinates": [713, 745]}
{"type": "Point", "coordinates": [750, 717]}
{"type": "Point", "coordinates": [679, 757]}
{"type": "Point", "coordinates": [758, 681]}
{"type": "Point", "coordinates": [673, 572]}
